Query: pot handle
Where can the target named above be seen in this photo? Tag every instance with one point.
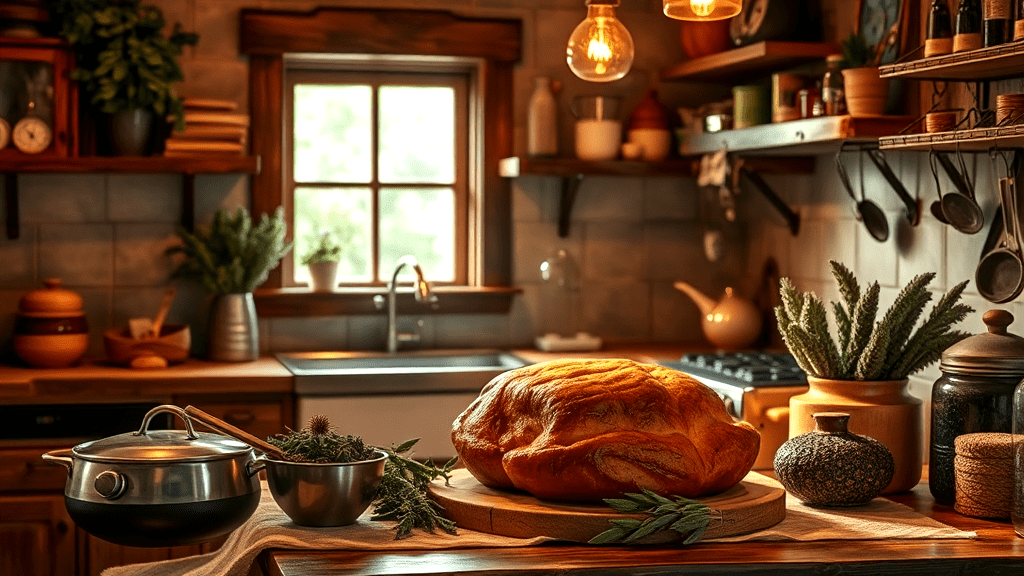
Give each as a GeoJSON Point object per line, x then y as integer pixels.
{"type": "Point", "coordinates": [189, 431]}
{"type": "Point", "coordinates": [254, 466]}
{"type": "Point", "coordinates": [61, 457]}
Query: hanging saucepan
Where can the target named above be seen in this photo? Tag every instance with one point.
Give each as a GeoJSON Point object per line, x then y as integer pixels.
{"type": "Point", "coordinates": [160, 487]}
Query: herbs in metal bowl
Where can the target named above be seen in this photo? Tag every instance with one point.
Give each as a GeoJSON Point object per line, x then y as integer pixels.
{"type": "Point", "coordinates": [330, 460]}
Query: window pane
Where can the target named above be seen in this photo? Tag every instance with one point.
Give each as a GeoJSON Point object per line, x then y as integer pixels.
{"type": "Point", "coordinates": [346, 213]}
{"type": "Point", "coordinates": [417, 134]}
{"type": "Point", "coordinates": [421, 222]}
{"type": "Point", "coordinates": [332, 133]}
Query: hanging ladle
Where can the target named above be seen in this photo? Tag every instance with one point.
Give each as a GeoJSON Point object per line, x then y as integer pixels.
{"type": "Point", "coordinates": [1000, 274]}
{"type": "Point", "coordinates": [867, 211]}
{"type": "Point", "coordinates": [961, 208]}
{"type": "Point", "coordinates": [936, 206]}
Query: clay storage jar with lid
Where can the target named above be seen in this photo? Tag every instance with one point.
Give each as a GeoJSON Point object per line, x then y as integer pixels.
{"type": "Point", "coordinates": [974, 394]}
{"type": "Point", "coordinates": [50, 330]}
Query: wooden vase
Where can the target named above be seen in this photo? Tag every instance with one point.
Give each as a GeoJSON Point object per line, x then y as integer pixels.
{"type": "Point", "coordinates": [882, 410]}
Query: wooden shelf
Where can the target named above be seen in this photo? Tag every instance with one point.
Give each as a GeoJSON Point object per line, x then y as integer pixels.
{"type": "Point", "coordinates": [761, 58]}
{"type": "Point", "coordinates": [993, 63]}
{"type": "Point", "coordinates": [133, 164]}
{"type": "Point", "coordinates": [973, 139]}
{"type": "Point", "coordinates": [809, 136]}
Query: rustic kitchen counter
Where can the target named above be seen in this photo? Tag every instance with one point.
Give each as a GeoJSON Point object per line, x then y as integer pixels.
{"type": "Point", "coordinates": [996, 550]}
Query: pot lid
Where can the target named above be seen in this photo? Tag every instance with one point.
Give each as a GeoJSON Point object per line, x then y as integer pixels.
{"type": "Point", "coordinates": [996, 353]}
{"type": "Point", "coordinates": [161, 447]}
{"type": "Point", "coordinates": [53, 298]}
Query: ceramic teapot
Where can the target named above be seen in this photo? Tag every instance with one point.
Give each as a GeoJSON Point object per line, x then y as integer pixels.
{"type": "Point", "coordinates": [731, 323]}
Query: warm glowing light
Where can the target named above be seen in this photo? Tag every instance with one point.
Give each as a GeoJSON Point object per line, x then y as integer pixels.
{"type": "Point", "coordinates": [600, 49]}
{"type": "Point", "coordinates": [702, 9]}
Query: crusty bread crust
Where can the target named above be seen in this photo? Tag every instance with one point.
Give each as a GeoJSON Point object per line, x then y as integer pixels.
{"type": "Point", "coordinates": [583, 430]}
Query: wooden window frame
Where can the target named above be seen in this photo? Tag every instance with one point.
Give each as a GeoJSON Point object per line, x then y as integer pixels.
{"type": "Point", "coordinates": [268, 36]}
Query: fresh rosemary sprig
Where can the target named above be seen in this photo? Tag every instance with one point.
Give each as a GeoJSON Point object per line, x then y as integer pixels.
{"type": "Point", "coordinates": [687, 517]}
{"type": "Point", "coordinates": [402, 495]}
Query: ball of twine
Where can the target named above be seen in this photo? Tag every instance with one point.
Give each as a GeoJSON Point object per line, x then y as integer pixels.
{"type": "Point", "coordinates": [983, 474]}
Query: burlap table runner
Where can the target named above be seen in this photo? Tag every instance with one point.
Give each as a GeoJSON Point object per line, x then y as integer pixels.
{"type": "Point", "coordinates": [270, 528]}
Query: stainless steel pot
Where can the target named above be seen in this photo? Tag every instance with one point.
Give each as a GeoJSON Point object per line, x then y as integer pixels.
{"type": "Point", "coordinates": [161, 487]}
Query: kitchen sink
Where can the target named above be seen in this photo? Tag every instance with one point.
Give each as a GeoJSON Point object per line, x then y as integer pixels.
{"type": "Point", "coordinates": [428, 371]}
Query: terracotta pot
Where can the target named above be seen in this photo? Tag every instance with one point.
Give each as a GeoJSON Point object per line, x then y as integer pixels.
{"type": "Point", "coordinates": [866, 92]}
{"type": "Point", "coordinates": [882, 410]}
{"type": "Point", "coordinates": [50, 330]}
{"type": "Point", "coordinates": [704, 38]}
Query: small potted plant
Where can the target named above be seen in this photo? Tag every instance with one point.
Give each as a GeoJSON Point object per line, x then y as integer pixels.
{"type": "Point", "coordinates": [230, 260]}
{"type": "Point", "coordinates": [322, 260]}
{"type": "Point", "coordinates": [125, 65]}
{"type": "Point", "coordinates": [864, 370]}
{"type": "Point", "coordinates": [866, 92]}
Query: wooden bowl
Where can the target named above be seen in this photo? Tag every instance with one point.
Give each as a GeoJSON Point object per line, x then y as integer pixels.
{"type": "Point", "coordinates": [172, 345]}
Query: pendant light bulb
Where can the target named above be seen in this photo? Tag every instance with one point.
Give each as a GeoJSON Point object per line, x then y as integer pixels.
{"type": "Point", "coordinates": [600, 49]}
{"type": "Point", "coordinates": [702, 10]}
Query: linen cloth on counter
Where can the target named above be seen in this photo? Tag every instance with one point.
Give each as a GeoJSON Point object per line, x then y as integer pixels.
{"type": "Point", "coordinates": [270, 528]}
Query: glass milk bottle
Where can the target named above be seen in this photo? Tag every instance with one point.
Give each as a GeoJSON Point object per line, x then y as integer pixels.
{"type": "Point", "coordinates": [542, 121]}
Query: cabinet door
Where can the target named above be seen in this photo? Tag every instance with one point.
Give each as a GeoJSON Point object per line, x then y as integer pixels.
{"type": "Point", "coordinates": [37, 537]}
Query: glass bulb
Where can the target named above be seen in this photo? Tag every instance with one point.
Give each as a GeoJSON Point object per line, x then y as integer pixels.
{"type": "Point", "coordinates": [702, 9]}
{"type": "Point", "coordinates": [600, 49]}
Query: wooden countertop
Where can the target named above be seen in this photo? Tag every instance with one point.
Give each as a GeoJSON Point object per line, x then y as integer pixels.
{"type": "Point", "coordinates": [996, 550]}
{"type": "Point", "coordinates": [97, 381]}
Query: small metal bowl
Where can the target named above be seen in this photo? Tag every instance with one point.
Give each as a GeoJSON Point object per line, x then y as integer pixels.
{"type": "Point", "coordinates": [324, 494]}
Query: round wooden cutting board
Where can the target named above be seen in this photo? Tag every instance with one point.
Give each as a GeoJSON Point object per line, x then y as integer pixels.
{"type": "Point", "coordinates": [756, 503]}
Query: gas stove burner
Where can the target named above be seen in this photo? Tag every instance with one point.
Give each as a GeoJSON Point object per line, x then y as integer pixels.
{"type": "Point", "coordinates": [743, 368]}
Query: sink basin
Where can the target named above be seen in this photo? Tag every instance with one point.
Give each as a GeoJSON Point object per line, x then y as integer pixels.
{"type": "Point", "coordinates": [332, 373]}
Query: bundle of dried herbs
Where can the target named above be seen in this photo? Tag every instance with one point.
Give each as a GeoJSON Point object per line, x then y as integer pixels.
{"type": "Point", "coordinates": [687, 518]}
{"type": "Point", "coordinates": [402, 495]}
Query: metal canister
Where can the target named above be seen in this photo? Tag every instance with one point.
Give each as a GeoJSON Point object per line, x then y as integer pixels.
{"type": "Point", "coordinates": [974, 394]}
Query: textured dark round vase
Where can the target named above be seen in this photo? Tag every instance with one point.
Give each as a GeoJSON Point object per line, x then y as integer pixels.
{"type": "Point", "coordinates": [831, 466]}
{"type": "Point", "coordinates": [974, 394]}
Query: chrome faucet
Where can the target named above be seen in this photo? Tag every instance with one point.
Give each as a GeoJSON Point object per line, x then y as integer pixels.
{"type": "Point", "coordinates": [421, 292]}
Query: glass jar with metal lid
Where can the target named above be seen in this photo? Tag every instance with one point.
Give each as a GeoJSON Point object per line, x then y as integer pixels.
{"type": "Point", "coordinates": [974, 394]}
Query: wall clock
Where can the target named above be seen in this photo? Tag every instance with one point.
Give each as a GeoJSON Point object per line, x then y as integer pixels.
{"type": "Point", "coordinates": [5, 133]}
{"type": "Point", "coordinates": [881, 21]}
{"type": "Point", "coordinates": [37, 98]}
{"type": "Point", "coordinates": [32, 134]}
{"type": "Point", "coordinates": [775, 20]}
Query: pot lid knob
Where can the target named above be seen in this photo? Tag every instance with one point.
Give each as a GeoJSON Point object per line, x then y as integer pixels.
{"type": "Point", "coordinates": [110, 484]}
{"type": "Point", "coordinates": [53, 298]}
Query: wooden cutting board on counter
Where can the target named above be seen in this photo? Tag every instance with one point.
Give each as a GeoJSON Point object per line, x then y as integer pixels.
{"type": "Point", "coordinates": [756, 503]}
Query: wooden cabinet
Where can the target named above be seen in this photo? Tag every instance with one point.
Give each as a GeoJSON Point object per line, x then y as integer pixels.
{"type": "Point", "coordinates": [39, 538]}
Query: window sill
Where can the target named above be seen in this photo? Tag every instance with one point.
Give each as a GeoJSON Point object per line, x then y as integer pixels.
{"type": "Point", "coordinates": [355, 301]}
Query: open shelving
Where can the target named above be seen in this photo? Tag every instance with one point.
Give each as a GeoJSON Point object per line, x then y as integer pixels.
{"type": "Point", "coordinates": [756, 59]}
{"type": "Point", "coordinates": [992, 63]}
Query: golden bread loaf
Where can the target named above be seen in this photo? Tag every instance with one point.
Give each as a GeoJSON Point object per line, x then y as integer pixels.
{"type": "Point", "coordinates": [583, 430]}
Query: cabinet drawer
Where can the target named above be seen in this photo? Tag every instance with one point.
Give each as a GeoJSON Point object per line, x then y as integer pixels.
{"type": "Point", "coordinates": [261, 419]}
{"type": "Point", "coordinates": [23, 469]}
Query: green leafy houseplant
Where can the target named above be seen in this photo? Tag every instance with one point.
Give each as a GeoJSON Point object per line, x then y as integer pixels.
{"type": "Point", "coordinates": [123, 60]}
{"type": "Point", "coordinates": [889, 349]}
{"type": "Point", "coordinates": [326, 249]}
{"type": "Point", "coordinates": [234, 256]}
{"type": "Point", "coordinates": [856, 53]}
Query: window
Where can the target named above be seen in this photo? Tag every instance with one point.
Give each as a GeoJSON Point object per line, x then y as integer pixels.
{"type": "Point", "coordinates": [482, 271]}
{"type": "Point", "coordinates": [380, 160]}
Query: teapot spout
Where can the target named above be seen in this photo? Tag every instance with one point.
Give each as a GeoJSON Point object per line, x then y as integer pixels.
{"type": "Point", "coordinates": [705, 304]}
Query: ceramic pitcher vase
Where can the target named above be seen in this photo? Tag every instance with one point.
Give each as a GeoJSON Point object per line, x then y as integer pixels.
{"type": "Point", "coordinates": [882, 410]}
{"type": "Point", "coordinates": [234, 333]}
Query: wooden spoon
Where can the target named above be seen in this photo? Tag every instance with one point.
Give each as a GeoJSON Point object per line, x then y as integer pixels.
{"type": "Point", "coordinates": [165, 305]}
{"type": "Point", "coordinates": [218, 425]}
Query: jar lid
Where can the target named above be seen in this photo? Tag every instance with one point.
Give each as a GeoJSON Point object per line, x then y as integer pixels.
{"type": "Point", "coordinates": [53, 298]}
{"type": "Point", "coordinates": [995, 353]}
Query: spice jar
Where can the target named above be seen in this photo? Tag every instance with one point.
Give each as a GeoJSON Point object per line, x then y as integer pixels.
{"type": "Point", "coordinates": [50, 330]}
{"type": "Point", "coordinates": [974, 394]}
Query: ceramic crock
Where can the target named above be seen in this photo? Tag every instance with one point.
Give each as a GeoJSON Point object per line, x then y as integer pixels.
{"type": "Point", "coordinates": [50, 329]}
{"type": "Point", "coordinates": [160, 487]}
{"type": "Point", "coordinates": [974, 394]}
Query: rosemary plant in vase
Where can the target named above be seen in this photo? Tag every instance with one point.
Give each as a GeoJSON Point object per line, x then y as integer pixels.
{"type": "Point", "coordinates": [864, 370]}
{"type": "Point", "coordinates": [230, 260]}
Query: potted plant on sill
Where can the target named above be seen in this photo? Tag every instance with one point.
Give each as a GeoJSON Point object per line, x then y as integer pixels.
{"type": "Point", "coordinates": [866, 371]}
{"type": "Point", "coordinates": [230, 260]}
{"type": "Point", "coordinates": [322, 260]}
{"type": "Point", "coordinates": [125, 65]}
{"type": "Point", "coordinates": [865, 91]}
